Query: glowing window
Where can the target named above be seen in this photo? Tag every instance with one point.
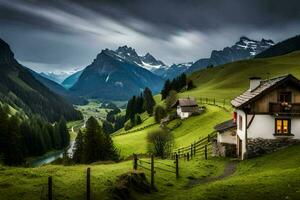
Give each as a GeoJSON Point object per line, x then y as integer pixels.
{"type": "Point", "coordinates": [282, 126]}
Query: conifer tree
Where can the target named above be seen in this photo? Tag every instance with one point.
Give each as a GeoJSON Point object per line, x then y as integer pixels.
{"type": "Point", "coordinates": [94, 141]}
{"type": "Point", "coordinates": [149, 102]}
{"type": "Point", "coordinates": [78, 154]}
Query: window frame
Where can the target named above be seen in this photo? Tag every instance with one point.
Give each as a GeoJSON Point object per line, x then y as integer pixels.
{"type": "Point", "coordinates": [282, 120]}
{"type": "Point", "coordinates": [287, 96]}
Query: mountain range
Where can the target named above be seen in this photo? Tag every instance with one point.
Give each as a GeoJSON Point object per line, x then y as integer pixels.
{"type": "Point", "coordinates": [127, 72]}
{"type": "Point", "coordinates": [20, 89]}
{"type": "Point", "coordinates": [243, 49]}
{"type": "Point", "coordinates": [117, 75]}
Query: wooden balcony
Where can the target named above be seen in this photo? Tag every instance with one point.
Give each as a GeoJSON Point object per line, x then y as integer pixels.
{"type": "Point", "coordinates": [279, 108]}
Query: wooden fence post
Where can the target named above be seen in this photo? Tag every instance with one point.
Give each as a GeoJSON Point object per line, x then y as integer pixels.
{"type": "Point", "coordinates": [194, 149]}
{"type": "Point", "coordinates": [205, 152]}
{"type": "Point", "coordinates": [191, 151]}
{"type": "Point", "coordinates": [177, 166]}
{"type": "Point", "coordinates": [50, 188]}
{"type": "Point", "coordinates": [152, 171]}
{"type": "Point", "coordinates": [188, 156]}
{"type": "Point", "coordinates": [88, 184]}
{"type": "Point", "coordinates": [135, 160]}
{"type": "Point", "coordinates": [214, 101]}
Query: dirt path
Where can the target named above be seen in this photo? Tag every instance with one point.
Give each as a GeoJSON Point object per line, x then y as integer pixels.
{"type": "Point", "coordinates": [228, 171]}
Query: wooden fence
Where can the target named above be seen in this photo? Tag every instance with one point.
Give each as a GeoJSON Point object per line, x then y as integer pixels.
{"type": "Point", "coordinates": [48, 194]}
{"type": "Point", "coordinates": [223, 103]}
{"type": "Point", "coordinates": [201, 147]}
{"type": "Point", "coordinates": [153, 168]}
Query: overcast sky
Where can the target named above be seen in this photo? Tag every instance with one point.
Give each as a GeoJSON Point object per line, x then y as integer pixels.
{"type": "Point", "coordinates": [58, 35]}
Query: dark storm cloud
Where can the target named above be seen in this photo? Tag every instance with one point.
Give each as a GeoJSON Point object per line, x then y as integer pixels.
{"type": "Point", "coordinates": [62, 35]}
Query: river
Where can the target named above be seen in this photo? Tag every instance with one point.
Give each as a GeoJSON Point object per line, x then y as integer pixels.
{"type": "Point", "coordinates": [50, 157]}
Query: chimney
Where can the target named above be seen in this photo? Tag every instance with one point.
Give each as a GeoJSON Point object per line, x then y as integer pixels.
{"type": "Point", "coordinates": [254, 83]}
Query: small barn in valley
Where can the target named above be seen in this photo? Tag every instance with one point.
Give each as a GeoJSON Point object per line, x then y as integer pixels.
{"type": "Point", "coordinates": [266, 117]}
{"type": "Point", "coordinates": [186, 107]}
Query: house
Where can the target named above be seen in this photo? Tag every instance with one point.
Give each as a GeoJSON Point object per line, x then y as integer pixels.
{"type": "Point", "coordinates": [225, 144]}
{"type": "Point", "coordinates": [186, 107]}
{"type": "Point", "coordinates": [266, 117]}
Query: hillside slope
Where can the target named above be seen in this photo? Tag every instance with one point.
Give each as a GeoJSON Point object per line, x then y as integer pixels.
{"type": "Point", "coordinates": [282, 48]}
{"type": "Point", "coordinates": [18, 87]}
{"type": "Point", "coordinates": [227, 81]}
{"type": "Point", "coordinates": [71, 80]}
{"type": "Point", "coordinates": [58, 89]}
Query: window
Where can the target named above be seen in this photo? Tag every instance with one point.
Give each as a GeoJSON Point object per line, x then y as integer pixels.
{"type": "Point", "coordinates": [283, 126]}
{"type": "Point", "coordinates": [285, 97]}
{"type": "Point", "coordinates": [240, 123]}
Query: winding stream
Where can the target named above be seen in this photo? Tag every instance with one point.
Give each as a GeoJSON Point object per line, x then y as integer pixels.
{"type": "Point", "coordinates": [48, 158]}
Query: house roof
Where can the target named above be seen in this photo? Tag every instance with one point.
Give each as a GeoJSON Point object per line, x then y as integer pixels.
{"type": "Point", "coordinates": [225, 126]}
{"type": "Point", "coordinates": [189, 109]}
{"type": "Point", "coordinates": [188, 102]}
{"type": "Point", "coordinates": [265, 86]}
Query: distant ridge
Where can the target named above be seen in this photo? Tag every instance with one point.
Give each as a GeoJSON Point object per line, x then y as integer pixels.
{"type": "Point", "coordinates": [19, 88]}
{"type": "Point", "coordinates": [282, 48]}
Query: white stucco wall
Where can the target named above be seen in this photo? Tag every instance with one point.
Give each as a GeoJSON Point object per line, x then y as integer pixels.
{"type": "Point", "coordinates": [226, 137]}
{"type": "Point", "coordinates": [182, 115]}
{"type": "Point", "coordinates": [263, 126]}
{"type": "Point", "coordinates": [241, 133]}
{"type": "Point", "coordinates": [295, 127]}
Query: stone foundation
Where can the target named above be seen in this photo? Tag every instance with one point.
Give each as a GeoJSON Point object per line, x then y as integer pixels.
{"type": "Point", "coordinates": [259, 146]}
{"type": "Point", "coordinates": [223, 149]}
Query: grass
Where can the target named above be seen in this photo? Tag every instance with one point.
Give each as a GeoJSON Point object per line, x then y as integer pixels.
{"type": "Point", "coordinates": [273, 176]}
{"type": "Point", "coordinates": [69, 181]}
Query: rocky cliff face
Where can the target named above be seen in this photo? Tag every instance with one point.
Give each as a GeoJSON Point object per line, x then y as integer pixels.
{"type": "Point", "coordinates": [6, 55]}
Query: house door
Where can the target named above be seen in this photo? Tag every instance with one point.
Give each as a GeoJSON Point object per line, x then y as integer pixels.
{"type": "Point", "coordinates": [240, 146]}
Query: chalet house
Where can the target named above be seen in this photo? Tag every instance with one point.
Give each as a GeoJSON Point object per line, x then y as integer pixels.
{"type": "Point", "coordinates": [186, 107]}
{"type": "Point", "coordinates": [266, 117]}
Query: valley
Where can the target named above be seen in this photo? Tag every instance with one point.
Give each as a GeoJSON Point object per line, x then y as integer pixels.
{"type": "Point", "coordinates": [223, 82]}
{"type": "Point", "coordinates": [116, 109]}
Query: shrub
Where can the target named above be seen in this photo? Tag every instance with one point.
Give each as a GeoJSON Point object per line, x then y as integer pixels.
{"type": "Point", "coordinates": [138, 119]}
{"type": "Point", "coordinates": [128, 125]}
{"type": "Point", "coordinates": [160, 142]}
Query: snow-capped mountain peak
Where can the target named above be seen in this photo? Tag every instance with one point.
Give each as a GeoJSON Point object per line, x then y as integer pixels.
{"type": "Point", "coordinates": [253, 46]}
{"type": "Point", "coordinates": [128, 54]}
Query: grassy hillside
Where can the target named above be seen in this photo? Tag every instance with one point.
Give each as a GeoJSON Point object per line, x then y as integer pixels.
{"type": "Point", "coordinates": [190, 130]}
{"type": "Point", "coordinates": [273, 176]}
{"type": "Point", "coordinates": [229, 80]}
